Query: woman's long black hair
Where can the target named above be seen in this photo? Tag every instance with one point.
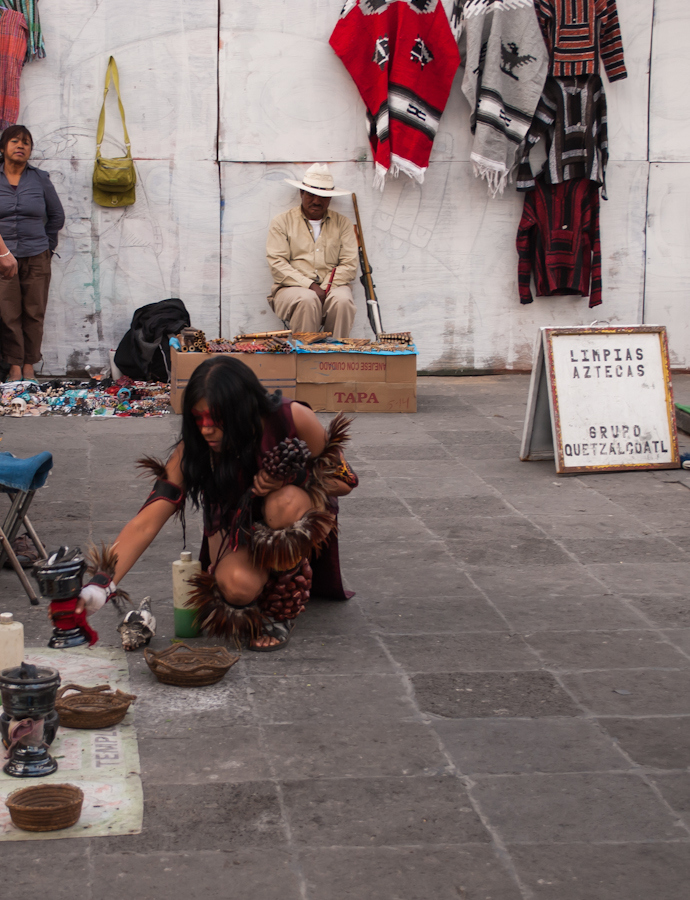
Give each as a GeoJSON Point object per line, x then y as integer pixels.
{"type": "Point", "coordinates": [237, 401]}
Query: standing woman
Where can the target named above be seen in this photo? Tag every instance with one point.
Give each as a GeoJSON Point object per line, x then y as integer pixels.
{"type": "Point", "coordinates": [30, 217]}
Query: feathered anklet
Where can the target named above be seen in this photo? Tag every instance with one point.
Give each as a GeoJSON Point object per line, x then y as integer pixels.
{"type": "Point", "coordinates": [218, 618]}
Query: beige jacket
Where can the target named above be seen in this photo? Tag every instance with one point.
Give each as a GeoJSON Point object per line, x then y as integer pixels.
{"type": "Point", "coordinates": [296, 260]}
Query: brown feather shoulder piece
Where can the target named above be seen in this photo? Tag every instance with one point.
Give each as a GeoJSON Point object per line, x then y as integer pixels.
{"type": "Point", "coordinates": [337, 435]}
{"type": "Point", "coordinates": [151, 465]}
{"type": "Point", "coordinates": [327, 463]}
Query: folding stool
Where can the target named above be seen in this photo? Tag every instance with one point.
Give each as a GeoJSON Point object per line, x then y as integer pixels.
{"type": "Point", "coordinates": [20, 479]}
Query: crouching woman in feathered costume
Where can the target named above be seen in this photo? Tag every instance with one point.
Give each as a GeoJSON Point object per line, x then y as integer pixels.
{"type": "Point", "coordinates": [266, 475]}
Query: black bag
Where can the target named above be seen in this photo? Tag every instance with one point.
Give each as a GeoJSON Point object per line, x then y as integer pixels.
{"type": "Point", "coordinates": [144, 352]}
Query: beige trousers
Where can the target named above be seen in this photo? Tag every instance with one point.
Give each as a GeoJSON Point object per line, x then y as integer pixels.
{"type": "Point", "coordinates": [304, 311]}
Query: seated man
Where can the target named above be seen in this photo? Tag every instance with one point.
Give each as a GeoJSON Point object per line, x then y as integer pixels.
{"type": "Point", "coordinates": [312, 253]}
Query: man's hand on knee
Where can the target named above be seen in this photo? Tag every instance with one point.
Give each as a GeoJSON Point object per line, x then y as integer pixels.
{"type": "Point", "coordinates": [318, 290]}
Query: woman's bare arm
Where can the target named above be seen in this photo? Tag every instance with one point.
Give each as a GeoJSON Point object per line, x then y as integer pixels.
{"type": "Point", "coordinates": [8, 264]}
{"type": "Point", "coordinates": [308, 428]}
{"type": "Point", "coordinates": [140, 531]}
{"type": "Point", "coordinates": [138, 534]}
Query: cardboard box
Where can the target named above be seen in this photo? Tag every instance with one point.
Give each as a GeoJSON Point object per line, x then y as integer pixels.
{"type": "Point", "coordinates": [360, 397]}
{"type": "Point", "coordinates": [274, 370]}
{"type": "Point", "coordinates": [317, 368]}
{"type": "Point", "coordinates": [329, 382]}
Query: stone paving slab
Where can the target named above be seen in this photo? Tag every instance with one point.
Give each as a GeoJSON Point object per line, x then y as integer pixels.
{"type": "Point", "coordinates": [659, 742]}
{"type": "Point", "coordinates": [460, 652]}
{"type": "Point", "coordinates": [583, 871]}
{"type": "Point", "coordinates": [415, 873]}
{"type": "Point", "coordinates": [606, 650]}
{"type": "Point", "coordinates": [502, 711]}
{"type": "Point", "coordinates": [456, 696]}
{"type": "Point", "coordinates": [232, 753]}
{"type": "Point", "coordinates": [495, 746]}
{"type": "Point", "coordinates": [352, 749]}
{"type": "Point", "coordinates": [464, 613]}
{"type": "Point", "coordinates": [382, 812]}
{"type": "Point", "coordinates": [632, 692]}
{"type": "Point", "coordinates": [576, 807]}
{"type": "Point", "coordinates": [185, 875]}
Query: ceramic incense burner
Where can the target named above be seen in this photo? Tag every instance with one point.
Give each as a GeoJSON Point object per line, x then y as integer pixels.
{"type": "Point", "coordinates": [29, 721]}
{"type": "Point", "coordinates": [60, 580]}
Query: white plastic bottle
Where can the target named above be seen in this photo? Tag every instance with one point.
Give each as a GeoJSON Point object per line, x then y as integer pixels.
{"type": "Point", "coordinates": [11, 642]}
{"type": "Point", "coordinates": [182, 570]}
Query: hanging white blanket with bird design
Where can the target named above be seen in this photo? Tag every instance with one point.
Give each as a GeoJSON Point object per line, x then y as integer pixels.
{"type": "Point", "coordinates": [506, 62]}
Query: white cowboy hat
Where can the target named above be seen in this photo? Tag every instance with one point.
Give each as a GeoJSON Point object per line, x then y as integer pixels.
{"type": "Point", "coordinates": [317, 180]}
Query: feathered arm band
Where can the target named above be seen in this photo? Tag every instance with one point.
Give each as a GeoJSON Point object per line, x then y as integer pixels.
{"type": "Point", "coordinates": [101, 565]}
{"type": "Point", "coordinates": [163, 489]}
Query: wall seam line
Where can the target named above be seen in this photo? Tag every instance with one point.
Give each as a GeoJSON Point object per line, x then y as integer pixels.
{"type": "Point", "coordinates": [643, 311]}
{"type": "Point", "coordinates": [220, 180]}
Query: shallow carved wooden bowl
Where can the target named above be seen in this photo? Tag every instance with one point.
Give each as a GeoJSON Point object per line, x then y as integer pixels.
{"type": "Point", "coordinates": [189, 666]}
{"type": "Point", "coordinates": [45, 807]}
{"type": "Point", "coordinates": [96, 707]}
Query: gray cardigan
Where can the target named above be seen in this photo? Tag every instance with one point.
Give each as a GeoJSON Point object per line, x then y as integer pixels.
{"type": "Point", "coordinates": [30, 214]}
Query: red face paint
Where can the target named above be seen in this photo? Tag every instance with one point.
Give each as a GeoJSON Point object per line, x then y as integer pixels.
{"type": "Point", "coordinates": [204, 420]}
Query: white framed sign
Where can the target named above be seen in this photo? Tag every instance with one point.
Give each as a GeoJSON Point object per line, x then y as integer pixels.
{"type": "Point", "coordinates": [600, 400]}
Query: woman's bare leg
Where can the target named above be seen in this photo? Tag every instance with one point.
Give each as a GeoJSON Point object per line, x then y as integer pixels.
{"type": "Point", "coordinates": [239, 580]}
{"type": "Point", "coordinates": [285, 506]}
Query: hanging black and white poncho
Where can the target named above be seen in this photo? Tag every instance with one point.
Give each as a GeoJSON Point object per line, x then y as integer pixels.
{"type": "Point", "coordinates": [506, 61]}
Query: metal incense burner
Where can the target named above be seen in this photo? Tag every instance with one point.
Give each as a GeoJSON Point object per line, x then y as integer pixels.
{"type": "Point", "coordinates": [59, 580]}
{"type": "Point", "coordinates": [29, 721]}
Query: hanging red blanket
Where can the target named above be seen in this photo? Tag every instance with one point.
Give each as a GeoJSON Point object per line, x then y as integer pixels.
{"type": "Point", "coordinates": [402, 56]}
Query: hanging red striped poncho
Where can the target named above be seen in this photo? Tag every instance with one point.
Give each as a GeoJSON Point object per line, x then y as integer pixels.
{"type": "Point", "coordinates": [402, 56]}
{"type": "Point", "coordinates": [13, 36]}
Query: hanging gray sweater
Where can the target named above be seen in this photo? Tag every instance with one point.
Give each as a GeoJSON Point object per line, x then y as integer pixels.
{"type": "Point", "coordinates": [506, 61]}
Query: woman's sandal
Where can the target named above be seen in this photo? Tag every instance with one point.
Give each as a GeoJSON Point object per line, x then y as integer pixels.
{"type": "Point", "coordinates": [281, 631]}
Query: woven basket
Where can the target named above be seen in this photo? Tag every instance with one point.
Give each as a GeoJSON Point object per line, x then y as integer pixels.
{"type": "Point", "coordinates": [189, 666]}
{"type": "Point", "coordinates": [45, 807]}
{"type": "Point", "coordinates": [95, 707]}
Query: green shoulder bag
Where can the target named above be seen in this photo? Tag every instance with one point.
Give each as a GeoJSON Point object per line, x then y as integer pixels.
{"type": "Point", "coordinates": [113, 179]}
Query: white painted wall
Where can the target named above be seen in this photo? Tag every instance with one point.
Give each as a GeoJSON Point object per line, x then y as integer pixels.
{"type": "Point", "coordinates": [222, 107]}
